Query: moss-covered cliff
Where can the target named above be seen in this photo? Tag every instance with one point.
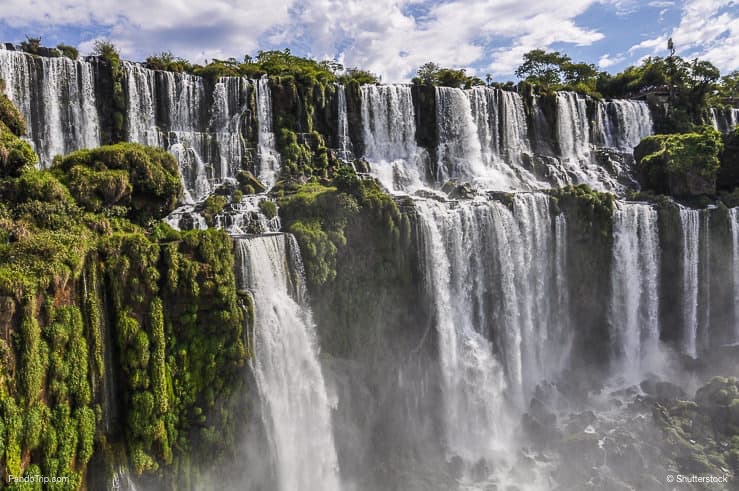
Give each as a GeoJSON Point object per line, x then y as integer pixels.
{"type": "Point", "coordinates": [116, 341]}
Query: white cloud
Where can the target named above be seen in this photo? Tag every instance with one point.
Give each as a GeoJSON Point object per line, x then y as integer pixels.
{"type": "Point", "coordinates": [384, 37]}
{"type": "Point", "coordinates": [708, 29]}
{"type": "Point", "coordinates": [189, 28]}
{"type": "Point", "coordinates": [380, 35]}
{"type": "Point", "coordinates": [606, 61]}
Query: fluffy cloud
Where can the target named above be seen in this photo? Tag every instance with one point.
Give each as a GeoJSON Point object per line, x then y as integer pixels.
{"type": "Point", "coordinates": [708, 29]}
{"type": "Point", "coordinates": [390, 37]}
{"type": "Point", "coordinates": [190, 28]}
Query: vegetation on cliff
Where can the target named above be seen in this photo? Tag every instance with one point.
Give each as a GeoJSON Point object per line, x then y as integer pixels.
{"type": "Point", "coordinates": [683, 164]}
{"type": "Point", "coordinates": [79, 277]}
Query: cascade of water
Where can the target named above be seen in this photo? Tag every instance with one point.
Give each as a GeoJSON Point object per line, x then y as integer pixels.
{"type": "Point", "coordinates": [389, 129]}
{"type": "Point", "coordinates": [345, 143]}
{"type": "Point", "coordinates": [269, 158]}
{"type": "Point", "coordinates": [164, 109]}
{"type": "Point", "coordinates": [634, 309]}
{"type": "Point", "coordinates": [459, 152]}
{"type": "Point", "coordinates": [734, 224]}
{"type": "Point", "coordinates": [724, 119]}
{"type": "Point", "coordinates": [286, 367]}
{"type": "Point", "coordinates": [56, 96]}
{"type": "Point", "coordinates": [473, 380]}
{"type": "Point", "coordinates": [573, 130]}
{"type": "Point", "coordinates": [490, 272]}
{"type": "Point", "coordinates": [690, 222]}
{"type": "Point", "coordinates": [621, 124]}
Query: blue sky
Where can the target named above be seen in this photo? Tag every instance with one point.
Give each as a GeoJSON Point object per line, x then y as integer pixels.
{"type": "Point", "coordinates": [390, 37]}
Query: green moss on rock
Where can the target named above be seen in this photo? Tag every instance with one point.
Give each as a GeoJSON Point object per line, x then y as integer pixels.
{"type": "Point", "coordinates": [143, 179]}
{"type": "Point", "coordinates": [684, 164]}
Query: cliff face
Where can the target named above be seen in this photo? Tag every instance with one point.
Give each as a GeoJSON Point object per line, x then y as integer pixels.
{"type": "Point", "coordinates": [124, 343]}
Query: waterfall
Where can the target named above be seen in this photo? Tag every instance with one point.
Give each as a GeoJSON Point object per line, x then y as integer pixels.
{"type": "Point", "coordinates": [473, 380]}
{"type": "Point", "coordinates": [573, 130]}
{"type": "Point", "coordinates": [724, 119]}
{"type": "Point", "coordinates": [288, 374]}
{"type": "Point", "coordinates": [491, 273]}
{"type": "Point", "coordinates": [56, 97]}
{"type": "Point", "coordinates": [173, 111]}
{"type": "Point", "coordinates": [459, 152]}
{"type": "Point", "coordinates": [621, 124]}
{"type": "Point", "coordinates": [389, 129]}
{"type": "Point", "coordinates": [634, 309]}
{"type": "Point", "coordinates": [483, 136]}
{"type": "Point", "coordinates": [269, 158]}
{"type": "Point", "coordinates": [345, 143]}
{"type": "Point", "coordinates": [734, 225]}
{"type": "Point", "coordinates": [696, 278]}
{"type": "Point", "coordinates": [165, 109]}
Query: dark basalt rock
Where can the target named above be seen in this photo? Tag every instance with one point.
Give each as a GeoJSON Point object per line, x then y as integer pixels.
{"type": "Point", "coordinates": [456, 190]}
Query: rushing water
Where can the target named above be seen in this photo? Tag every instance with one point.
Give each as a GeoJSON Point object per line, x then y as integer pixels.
{"type": "Point", "coordinates": [56, 97]}
{"type": "Point", "coordinates": [734, 226]}
{"type": "Point", "coordinates": [490, 272]}
{"type": "Point", "coordinates": [634, 309]}
{"type": "Point", "coordinates": [484, 137]}
{"type": "Point", "coordinates": [286, 367]}
{"type": "Point", "coordinates": [389, 130]}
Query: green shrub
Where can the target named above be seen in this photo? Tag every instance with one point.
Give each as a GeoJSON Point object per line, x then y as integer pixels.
{"type": "Point", "coordinates": [269, 208]}
{"type": "Point", "coordinates": [145, 179]}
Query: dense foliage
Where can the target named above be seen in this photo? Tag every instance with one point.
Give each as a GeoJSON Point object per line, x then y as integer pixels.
{"type": "Point", "coordinates": [272, 63]}
{"type": "Point", "coordinates": [557, 71]}
{"type": "Point", "coordinates": [78, 280]}
{"type": "Point", "coordinates": [143, 180]}
{"type": "Point", "coordinates": [681, 164]}
{"type": "Point", "coordinates": [432, 74]}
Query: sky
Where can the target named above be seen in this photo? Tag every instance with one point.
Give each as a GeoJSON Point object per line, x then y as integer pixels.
{"type": "Point", "coordinates": [391, 38]}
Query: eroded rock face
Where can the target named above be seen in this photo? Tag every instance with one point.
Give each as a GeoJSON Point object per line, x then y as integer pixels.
{"type": "Point", "coordinates": [632, 438]}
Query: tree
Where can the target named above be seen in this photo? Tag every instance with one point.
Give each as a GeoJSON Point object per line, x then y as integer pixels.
{"type": "Point", "coordinates": [105, 49]}
{"type": "Point", "coordinates": [729, 86]}
{"type": "Point", "coordinates": [541, 67]}
{"type": "Point", "coordinates": [432, 74]}
{"type": "Point", "coordinates": [426, 74]}
{"type": "Point", "coordinates": [31, 45]}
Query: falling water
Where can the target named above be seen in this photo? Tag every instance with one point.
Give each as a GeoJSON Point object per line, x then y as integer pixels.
{"type": "Point", "coordinates": [634, 309]}
{"type": "Point", "coordinates": [734, 224]}
{"type": "Point", "coordinates": [573, 130]}
{"type": "Point", "coordinates": [269, 158]}
{"type": "Point", "coordinates": [56, 97]}
{"type": "Point", "coordinates": [345, 143]}
{"type": "Point", "coordinates": [389, 129]}
{"type": "Point", "coordinates": [724, 119]}
{"type": "Point", "coordinates": [621, 124]}
{"type": "Point", "coordinates": [491, 272]}
{"type": "Point", "coordinates": [473, 380]}
{"type": "Point", "coordinates": [286, 367]}
{"type": "Point", "coordinates": [459, 152]}
{"type": "Point", "coordinates": [690, 222]}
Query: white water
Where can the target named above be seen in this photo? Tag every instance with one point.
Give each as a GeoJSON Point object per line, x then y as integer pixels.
{"type": "Point", "coordinates": [269, 158]}
{"type": "Point", "coordinates": [296, 407]}
{"type": "Point", "coordinates": [724, 119]}
{"type": "Point", "coordinates": [621, 124]}
{"type": "Point", "coordinates": [345, 143]}
{"type": "Point", "coordinates": [389, 128]}
{"type": "Point", "coordinates": [57, 99]}
{"type": "Point", "coordinates": [690, 222]}
{"type": "Point", "coordinates": [634, 309]}
{"type": "Point", "coordinates": [734, 224]}
{"type": "Point", "coordinates": [498, 281]}
{"type": "Point", "coordinates": [170, 110]}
